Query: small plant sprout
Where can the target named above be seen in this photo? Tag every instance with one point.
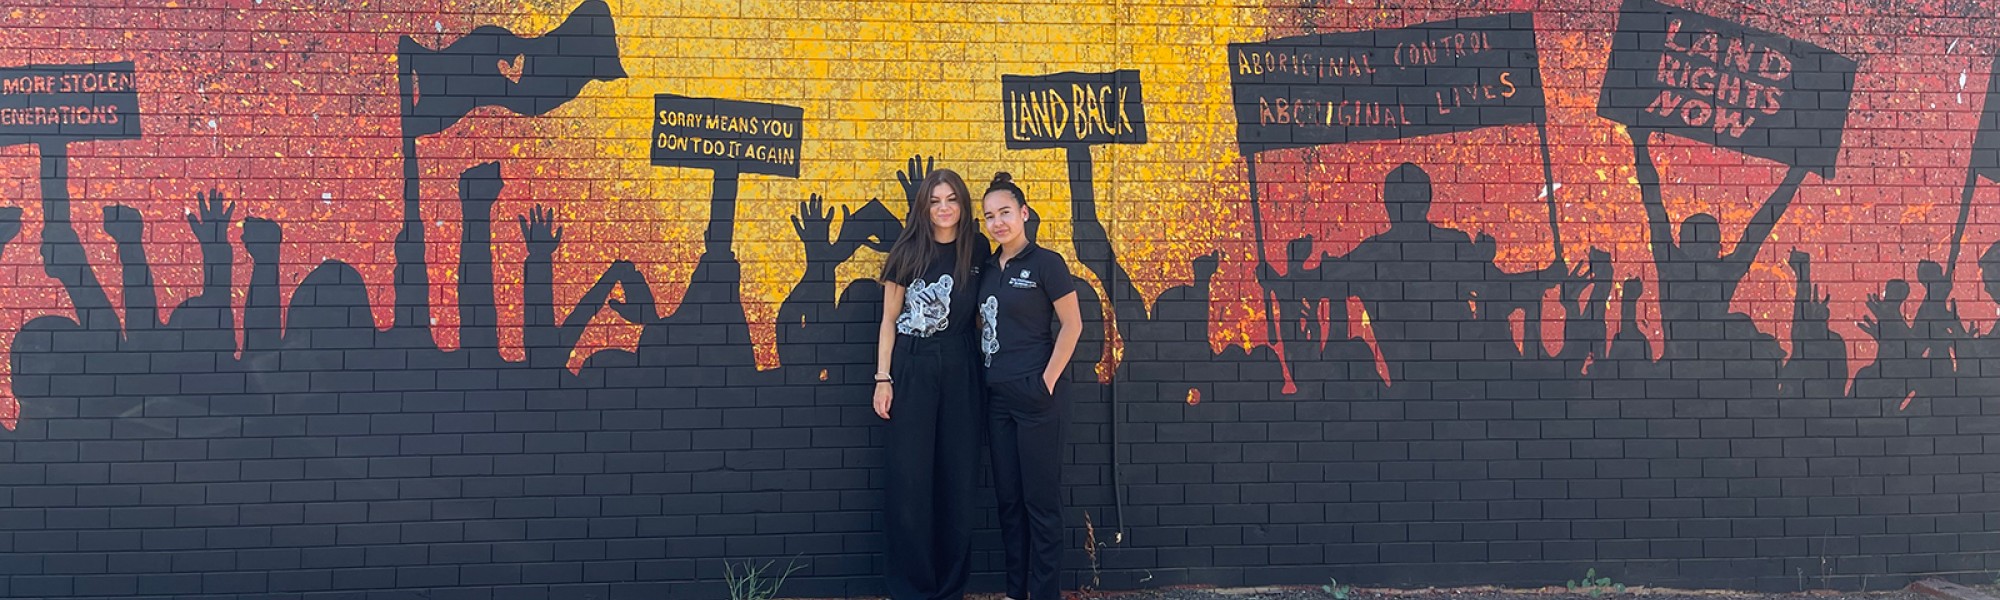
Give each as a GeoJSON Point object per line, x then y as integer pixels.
{"type": "Point", "coordinates": [1595, 586]}
{"type": "Point", "coordinates": [1335, 589]}
{"type": "Point", "coordinates": [755, 582]}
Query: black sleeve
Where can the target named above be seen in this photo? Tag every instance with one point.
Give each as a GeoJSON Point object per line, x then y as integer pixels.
{"type": "Point", "coordinates": [1056, 281]}
{"type": "Point", "coordinates": [902, 279]}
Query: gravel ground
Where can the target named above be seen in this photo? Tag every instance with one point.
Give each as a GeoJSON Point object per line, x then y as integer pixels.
{"type": "Point", "coordinates": [1482, 593]}
{"type": "Point", "coordinates": [1477, 593]}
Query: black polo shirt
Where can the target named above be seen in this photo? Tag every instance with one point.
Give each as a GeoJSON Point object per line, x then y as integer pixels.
{"type": "Point", "coordinates": [936, 303]}
{"type": "Point", "coordinates": [1016, 308]}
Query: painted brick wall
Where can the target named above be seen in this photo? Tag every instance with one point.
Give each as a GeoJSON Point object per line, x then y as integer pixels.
{"type": "Point", "coordinates": [552, 299]}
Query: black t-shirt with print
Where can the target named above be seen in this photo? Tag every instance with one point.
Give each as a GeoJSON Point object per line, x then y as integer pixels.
{"type": "Point", "coordinates": [1016, 305]}
{"type": "Point", "coordinates": [936, 303]}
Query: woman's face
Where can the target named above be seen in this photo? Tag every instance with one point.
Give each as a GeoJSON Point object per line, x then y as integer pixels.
{"type": "Point", "coordinates": [944, 207]}
{"type": "Point", "coordinates": [1004, 216]}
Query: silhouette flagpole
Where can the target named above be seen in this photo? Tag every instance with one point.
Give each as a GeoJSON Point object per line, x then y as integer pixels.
{"type": "Point", "coordinates": [1270, 303]}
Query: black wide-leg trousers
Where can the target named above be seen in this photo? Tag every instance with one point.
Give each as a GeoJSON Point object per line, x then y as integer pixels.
{"type": "Point", "coordinates": [1026, 424]}
{"type": "Point", "coordinates": [935, 423]}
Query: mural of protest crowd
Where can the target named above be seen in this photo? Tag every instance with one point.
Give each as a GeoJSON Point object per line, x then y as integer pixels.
{"type": "Point", "coordinates": [1421, 324]}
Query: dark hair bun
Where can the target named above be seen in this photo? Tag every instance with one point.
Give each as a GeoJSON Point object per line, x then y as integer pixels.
{"type": "Point", "coordinates": [1005, 181]}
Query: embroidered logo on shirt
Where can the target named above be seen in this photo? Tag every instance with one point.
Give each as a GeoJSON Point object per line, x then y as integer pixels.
{"type": "Point", "coordinates": [1022, 281]}
{"type": "Point", "coordinates": [926, 308]}
{"type": "Point", "coordinates": [989, 336]}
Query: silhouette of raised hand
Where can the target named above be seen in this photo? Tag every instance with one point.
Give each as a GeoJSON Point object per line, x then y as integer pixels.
{"type": "Point", "coordinates": [1816, 305]}
{"type": "Point", "coordinates": [874, 226]}
{"type": "Point", "coordinates": [1600, 275]}
{"type": "Point", "coordinates": [1811, 302]}
{"type": "Point", "coordinates": [210, 221]}
{"type": "Point", "coordinates": [1583, 295]}
{"type": "Point", "coordinates": [814, 226]}
{"type": "Point", "coordinates": [539, 231]}
{"type": "Point", "coordinates": [1952, 326]}
{"type": "Point", "coordinates": [1308, 317]}
{"type": "Point", "coordinates": [124, 224]}
{"type": "Point", "coordinates": [637, 306]}
{"type": "Point", "coordinates": [1886, 315]}
{"type": "Point", "coordinates": [261, 237]}
{"type": "Point", "coordinates": [1574, 287]}
{"type": "Point", "coordinates": [913, 178]}
{"type": "Point", "coordinates": [10, 223]}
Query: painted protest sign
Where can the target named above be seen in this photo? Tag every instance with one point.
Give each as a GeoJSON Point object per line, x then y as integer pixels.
{"type": "Point", "coordinates": [1716, 81]}
{"type": "Point", "coordinates": [727, 135]}
{"type": "Point", "coordinates": [1073, 109]}
{"type": "Point", "coordinates": [1437, 77]}
{"type": "Point", "coordinates": [64, 103]}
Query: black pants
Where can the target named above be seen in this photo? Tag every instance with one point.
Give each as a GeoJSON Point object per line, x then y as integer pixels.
{"type": "Point", "coordinates": [932, 463]}
{"type": "Point", "coordinates": [1027, 430]}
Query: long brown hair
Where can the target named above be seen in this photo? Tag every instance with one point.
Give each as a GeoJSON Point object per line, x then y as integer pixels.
{"type": "Point", "coordinates": [915, 249]}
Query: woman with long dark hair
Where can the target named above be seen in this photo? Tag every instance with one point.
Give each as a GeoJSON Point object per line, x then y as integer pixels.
{"type": "Point", "coordinates": [1022, 288]}
{"type": "Point", "coordinates": [927, 387]}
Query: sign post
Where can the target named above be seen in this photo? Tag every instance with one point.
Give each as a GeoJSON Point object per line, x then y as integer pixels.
{"type": "Point", "coordinates": [1985, 162]}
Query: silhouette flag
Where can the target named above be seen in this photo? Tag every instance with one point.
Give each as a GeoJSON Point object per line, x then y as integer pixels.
{"type": "Point", "coordinates": [492, 66]}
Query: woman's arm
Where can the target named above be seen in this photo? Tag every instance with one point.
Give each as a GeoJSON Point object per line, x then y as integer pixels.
{"type": "Point", "coordinates": [1070, 329]}
{"type": "Point", "coordinates": [885, 343]}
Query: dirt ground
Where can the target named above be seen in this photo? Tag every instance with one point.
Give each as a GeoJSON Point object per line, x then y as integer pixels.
{"type": "Point", "coordinates": [1484, 593]}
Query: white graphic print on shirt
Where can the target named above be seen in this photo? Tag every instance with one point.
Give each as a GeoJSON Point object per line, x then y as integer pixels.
{"type": "Point", "coordinates": [989, 338]}
{"type": "Point", "coordinates": [926, 308]}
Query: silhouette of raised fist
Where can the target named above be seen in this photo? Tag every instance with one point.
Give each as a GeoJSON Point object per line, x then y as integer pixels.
{"type": "Point", "coordinates": [261, 238]}
{"type": "Point", "coordinates": [124, 224]}
{"type": "Point", "coordinates": [1206, 265]}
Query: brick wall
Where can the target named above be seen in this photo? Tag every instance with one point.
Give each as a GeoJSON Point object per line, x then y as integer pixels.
{"type": "Point", "coordinates": [569, 300]}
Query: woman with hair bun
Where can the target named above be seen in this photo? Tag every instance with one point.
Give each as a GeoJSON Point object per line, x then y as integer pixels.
{"type": "Point", "coordinates": [1023, 286]}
